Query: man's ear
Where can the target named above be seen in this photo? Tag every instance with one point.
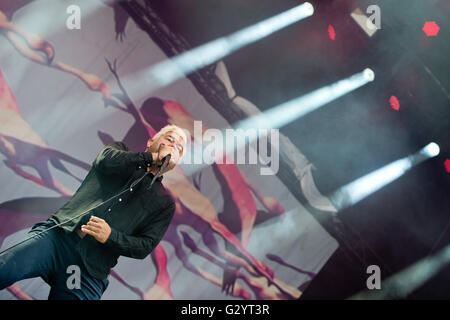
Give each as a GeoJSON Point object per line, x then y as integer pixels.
{"type": "Point", "coordinates": [149, 142]}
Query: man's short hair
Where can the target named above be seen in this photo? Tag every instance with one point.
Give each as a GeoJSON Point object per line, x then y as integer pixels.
{"type": "Point", "coordinates": [172, 128]}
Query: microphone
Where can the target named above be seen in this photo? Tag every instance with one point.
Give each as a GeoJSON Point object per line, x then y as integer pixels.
{"type": "Point", "coordinates": [166, 160]}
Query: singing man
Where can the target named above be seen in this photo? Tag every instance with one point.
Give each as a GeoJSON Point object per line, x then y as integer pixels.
{"type": "Point", "coordinates": [131, 225]}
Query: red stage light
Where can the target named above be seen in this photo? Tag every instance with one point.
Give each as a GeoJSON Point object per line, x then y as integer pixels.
{"type": "Point", "coordinates": [331, 32]}
{"type": "Point", "coordinates": [447, 165]}
{"type": "Point", "coordinates": [395, 104]}
{"type": "Point", "coordinates": [430, 28]}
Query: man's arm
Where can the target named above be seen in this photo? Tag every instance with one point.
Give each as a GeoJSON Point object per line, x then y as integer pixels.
{"type": "Point", "coordinates": [142, 245]}
{"type": "Point", "coordinates": [116, 159]}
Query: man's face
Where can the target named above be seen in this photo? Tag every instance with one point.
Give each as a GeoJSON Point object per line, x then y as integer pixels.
{"type": "Point", "coordinates": [170, 140]}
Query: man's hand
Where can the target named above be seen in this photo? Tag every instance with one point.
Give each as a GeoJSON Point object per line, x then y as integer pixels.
{"type": "Point", "coordinates": [98, 228]}
{"type": "Point", "coordinates": [165, 150]}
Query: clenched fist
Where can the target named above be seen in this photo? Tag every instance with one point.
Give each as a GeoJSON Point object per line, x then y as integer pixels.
{"type": "Point", "coordinates": [166, 150]}
{"type": "Point", "coordinates": [98, 228]}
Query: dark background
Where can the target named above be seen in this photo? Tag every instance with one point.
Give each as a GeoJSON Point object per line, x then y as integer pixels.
{"type": "Point", "coordinates": [408, 219]}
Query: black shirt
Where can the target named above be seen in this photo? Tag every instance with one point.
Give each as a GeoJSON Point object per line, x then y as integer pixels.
{"type": "Point", "coordinates": [138, 218]}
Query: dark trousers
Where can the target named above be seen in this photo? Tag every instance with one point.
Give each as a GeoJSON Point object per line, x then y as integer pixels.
{"type": "Point", "coordinates": [50, 256]}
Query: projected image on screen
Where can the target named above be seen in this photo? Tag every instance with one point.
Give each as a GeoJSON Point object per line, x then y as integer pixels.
{"type": "Point", "coordinates": [65, 94]}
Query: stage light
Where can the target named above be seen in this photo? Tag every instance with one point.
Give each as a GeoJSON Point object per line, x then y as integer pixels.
{"type": "Point", "coordinates": [431, 150]}
{"type": "Point", "coordinates": [170, 70]}
{"type": "Point", "coordinates": [431, 28]}
{"type": "Point", "coordinates": [287, 112]}
{"type": "Point", "coordinates": [308, 8]}
{"type": "Point", "coordinates": [447, 165]}
{"type": "Point", "coordinates": [260, 125]}
{"type": "Point", "coordinates": [395, 104]}
{"type": "Point", "coordinates": [369, 74]}
{"type": "Point", "coordinates": [363, 187]}
{"type": "Point", "coordinates": [331, 32]}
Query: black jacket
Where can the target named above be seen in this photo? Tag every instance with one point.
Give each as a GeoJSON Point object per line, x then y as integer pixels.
{"type": "Point", "coordinates": [138, 219]}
